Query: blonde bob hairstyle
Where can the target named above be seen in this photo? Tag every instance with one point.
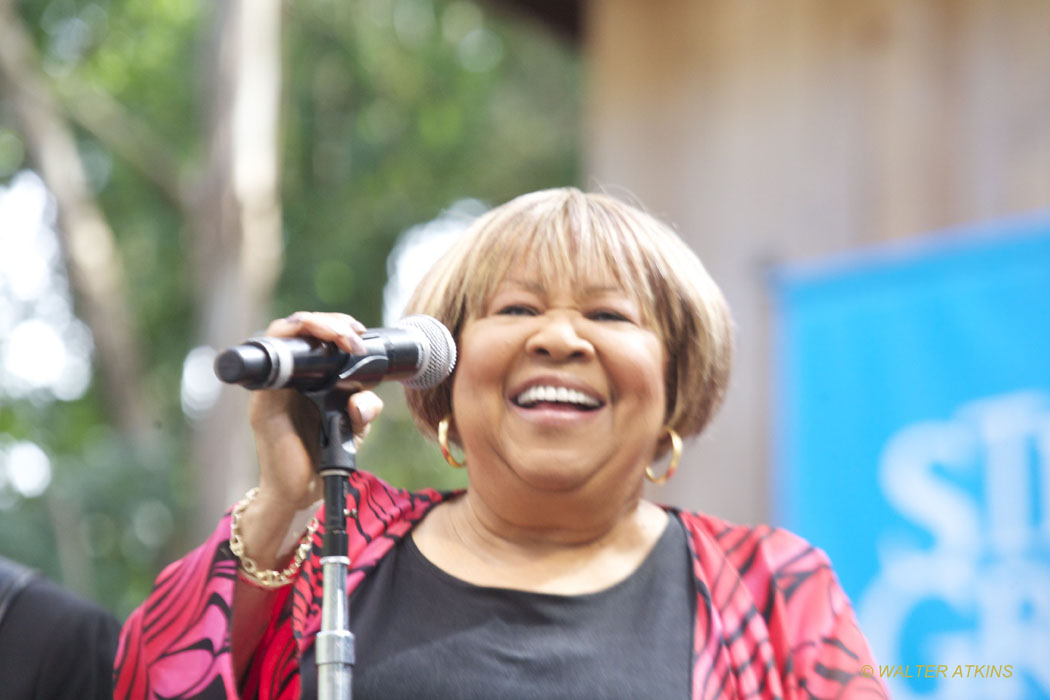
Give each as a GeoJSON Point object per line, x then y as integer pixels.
{"type": "Point", "coordinates": [571, 235]}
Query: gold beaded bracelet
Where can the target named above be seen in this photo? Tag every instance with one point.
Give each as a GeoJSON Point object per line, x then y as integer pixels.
{"type": "Point", "coordinates": [266, 578]}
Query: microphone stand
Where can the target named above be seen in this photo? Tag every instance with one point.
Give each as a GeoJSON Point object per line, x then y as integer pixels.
{"type": "Point", "coordinates": [335, 641]}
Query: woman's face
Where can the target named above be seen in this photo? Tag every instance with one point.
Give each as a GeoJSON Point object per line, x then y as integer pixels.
{"type": "Point", "coordinates": [559, 389]}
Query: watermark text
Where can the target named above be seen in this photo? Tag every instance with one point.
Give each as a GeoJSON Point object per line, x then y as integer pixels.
{"type": "Point", "coordinates": [940, 671]}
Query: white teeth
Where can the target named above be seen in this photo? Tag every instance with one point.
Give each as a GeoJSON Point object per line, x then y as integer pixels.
{"type": "Point", "coordinates": [555, 394]}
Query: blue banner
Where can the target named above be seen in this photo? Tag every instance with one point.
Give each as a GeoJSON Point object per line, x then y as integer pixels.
{"type": "Point", "coordinates": [912, 444]}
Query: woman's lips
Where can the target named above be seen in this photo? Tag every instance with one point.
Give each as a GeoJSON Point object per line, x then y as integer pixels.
{"type": "Point", "coordinates": [553, 413]}
{"type": "Point", "coordinates": [556, 391]}
{"type": "Point", "coordinates": [555, 400]}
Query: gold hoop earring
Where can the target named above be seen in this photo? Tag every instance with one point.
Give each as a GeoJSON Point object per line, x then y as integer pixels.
{"type": "Point", "coordinates": [676, 454]}
{"type": "Point", "coordinates": [443, 443]}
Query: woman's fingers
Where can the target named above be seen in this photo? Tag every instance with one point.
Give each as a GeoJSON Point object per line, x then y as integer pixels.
{"type": "Point", "coordinates": [342, 329]}
{"type": "Point", "coordinates": [363, 408]}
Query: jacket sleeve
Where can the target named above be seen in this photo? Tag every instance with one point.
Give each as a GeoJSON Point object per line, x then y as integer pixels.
{"type": "Point", "coordinates": [772, 620]}
{"type": "Point", "coordinates": [177, 643]}
{"type": "Point", "coordinates": [827, 654]}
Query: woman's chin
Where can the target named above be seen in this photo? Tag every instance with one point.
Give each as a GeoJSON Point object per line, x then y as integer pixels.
{"type": "Point", "coordinates": [551, 475]}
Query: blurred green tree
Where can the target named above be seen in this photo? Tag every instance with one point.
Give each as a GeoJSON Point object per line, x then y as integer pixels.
{"type": "Point", "coordinates": [241, 160]}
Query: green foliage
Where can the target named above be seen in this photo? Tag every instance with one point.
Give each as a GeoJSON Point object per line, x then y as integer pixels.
{"type": "Point", "coordinates": [392, 110]}
{"type": "Point", "coordinates": [385, 127]}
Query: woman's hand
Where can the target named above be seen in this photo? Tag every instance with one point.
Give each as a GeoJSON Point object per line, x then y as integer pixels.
{"type": "Point", "coordinates": [285, 423]}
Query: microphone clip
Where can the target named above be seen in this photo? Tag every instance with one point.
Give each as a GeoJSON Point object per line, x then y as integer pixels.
{"type": "Point", "coordinates": [335, 435]}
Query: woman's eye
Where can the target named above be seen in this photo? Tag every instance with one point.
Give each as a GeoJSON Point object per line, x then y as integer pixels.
{"type": "Point", "coordinates": [516, 310]}
{"type": "Point", "coordinates": [607, 315]}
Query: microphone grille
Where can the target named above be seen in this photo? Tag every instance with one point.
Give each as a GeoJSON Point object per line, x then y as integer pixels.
{"type": "Point", "coordinates": [438, 351]}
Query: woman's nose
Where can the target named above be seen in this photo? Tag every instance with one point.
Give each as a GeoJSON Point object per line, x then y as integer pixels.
{"type": "Point", "coordinates": [557, 338]}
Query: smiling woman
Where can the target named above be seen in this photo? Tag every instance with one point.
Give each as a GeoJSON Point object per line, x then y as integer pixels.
{"type": "Point", "coordinates": [590, 337]}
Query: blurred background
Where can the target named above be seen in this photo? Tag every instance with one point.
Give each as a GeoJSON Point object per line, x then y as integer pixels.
{"type": "Point", "coordinates": [868, 181]}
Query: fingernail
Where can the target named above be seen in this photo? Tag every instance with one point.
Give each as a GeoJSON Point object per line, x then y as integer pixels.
{"type": "Point", "coordinates": [367, 412]}
{"type": "Point", "coordinates": [295, 318]}
{"type": "Point", "coordinates": [357, 344]}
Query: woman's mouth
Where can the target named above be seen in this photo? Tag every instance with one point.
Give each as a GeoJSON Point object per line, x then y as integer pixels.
{"type": "Point", "coordinates": [556, 397]}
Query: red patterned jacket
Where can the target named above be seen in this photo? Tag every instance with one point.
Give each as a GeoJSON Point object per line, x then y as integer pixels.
{"type": "Point", "coordinates": [771, 619]}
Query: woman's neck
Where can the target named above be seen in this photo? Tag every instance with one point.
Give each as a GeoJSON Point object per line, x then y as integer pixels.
{"type": "Point", "coordinates": [548, 525]}
{"type": "Point", "coordinates": [468, 539]}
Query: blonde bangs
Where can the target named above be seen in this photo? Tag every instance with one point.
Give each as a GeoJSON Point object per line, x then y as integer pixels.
{"type": "Point", "coordinates": [560, 240]}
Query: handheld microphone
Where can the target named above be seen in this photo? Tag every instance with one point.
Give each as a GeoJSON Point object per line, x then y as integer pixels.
{"type": "Point", "coordinates": [419, 352]}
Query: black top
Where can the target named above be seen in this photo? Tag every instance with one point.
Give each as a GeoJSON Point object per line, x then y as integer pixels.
{"type": "Point", "coordinates": [422, 633]}
{"type": "Point", "coordinates": [54, 645]}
